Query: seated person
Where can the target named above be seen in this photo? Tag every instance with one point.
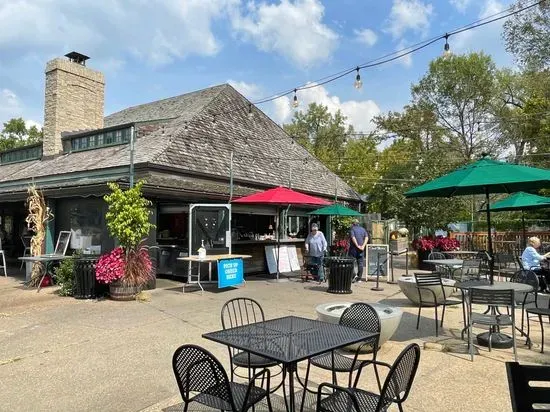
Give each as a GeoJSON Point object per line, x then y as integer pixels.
{"type": "Point", "coordinates": [531, 259]}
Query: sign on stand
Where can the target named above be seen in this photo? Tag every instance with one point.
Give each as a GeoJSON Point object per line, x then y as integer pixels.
{"type": "Point", "coordinates": [230, 272]}
{"type": "Point", "coordinates": [271, 257]}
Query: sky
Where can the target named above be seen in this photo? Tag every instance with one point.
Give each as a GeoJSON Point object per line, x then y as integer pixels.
{"type": "Point", "coordinates": [153, 49]}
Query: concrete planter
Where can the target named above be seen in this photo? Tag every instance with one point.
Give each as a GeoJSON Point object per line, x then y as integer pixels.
{"type": "Point", "coordinates": [389, 318]}
{"type": "Point", "coordinates": [407, 284]}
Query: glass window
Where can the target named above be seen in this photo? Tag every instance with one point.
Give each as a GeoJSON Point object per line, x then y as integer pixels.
{"type": "Point", "coordinates": [119, 136]}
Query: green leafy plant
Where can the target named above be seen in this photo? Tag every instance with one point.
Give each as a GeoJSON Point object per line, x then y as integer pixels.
{"type": "Point", "coordinates": [128, 215]}
{"type": "Point", "coordinates": [64, 274]}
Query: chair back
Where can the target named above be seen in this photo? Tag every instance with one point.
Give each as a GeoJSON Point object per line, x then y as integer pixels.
{"type": "Point", "coordinates": [197, 370]}
{"type": "Point", "coordinates": [492, 297]}
{"type": "Point", "coordinates": [436, 255]}
{"type": "Point", "coordinates": [528, 385]}
{"type": "Point", "coordinates": [428, 279]}
{"type": "Point", "coordinates": [400, 377]}
{"type": "Point", "coordinates": [26, 241]}
{"type": "Point", "coordinates": [527, 277]}
{"type": "Point", "coordinates": [361, 316]}
{"type": "Point", "coordinates": [241, 312]}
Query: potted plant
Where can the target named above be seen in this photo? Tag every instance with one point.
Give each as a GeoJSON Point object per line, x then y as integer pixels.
{"type": "Point", "coordinates": [423, 246]}
{"type": "Point", "coordinates": [127, 268]}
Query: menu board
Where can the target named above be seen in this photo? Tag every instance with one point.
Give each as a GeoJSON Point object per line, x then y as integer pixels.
{"type": "Point", "coordinates": [271, 257]}
{"type": "Point", "coordinates": [293, 257]}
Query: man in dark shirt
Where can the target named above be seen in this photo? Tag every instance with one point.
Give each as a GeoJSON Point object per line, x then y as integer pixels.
{"type": "Point", "coordinates": [359, 238]}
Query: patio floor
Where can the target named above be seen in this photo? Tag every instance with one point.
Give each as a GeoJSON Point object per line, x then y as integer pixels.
{"type": "Point", "coordinates": [65, 354]}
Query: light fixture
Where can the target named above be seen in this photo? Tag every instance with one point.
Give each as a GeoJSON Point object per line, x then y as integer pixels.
{"type": "Point", "coordinates": [295, 102]}
{"type": "Point", "coordinates": [250, 113]}
{"type": "Point", "coordinates": [446, 48]}
{"type": "Point", "coordinates": [358, 82]}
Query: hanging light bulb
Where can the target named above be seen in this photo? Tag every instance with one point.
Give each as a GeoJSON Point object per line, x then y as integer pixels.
{"type": "Point", "coordinates": [358, 82]}
{"type": "Point", "coordinates": [295, 102]}
{"type": "Point", "coordinates": [446, 49]}
{"type": "Point", "coordinates": [250, 113]}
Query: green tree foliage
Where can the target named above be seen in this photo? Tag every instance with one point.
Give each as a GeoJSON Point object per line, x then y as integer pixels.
{"type": "Point", "coordinates": [16, 134]}
{"type": "Point", "coordinates": [128, 215]}
{"type": "Point", "coordinates": [527, 36]}
{"type": "Point", "coordinates": [322, 133]}
{"type": "Point", "coordinates": [460, 90]}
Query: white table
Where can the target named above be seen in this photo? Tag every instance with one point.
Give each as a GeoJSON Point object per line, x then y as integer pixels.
{"type": "Point", "coordinates": [209, 259]}
{"type": "Point", "coordinates": [45, 260]}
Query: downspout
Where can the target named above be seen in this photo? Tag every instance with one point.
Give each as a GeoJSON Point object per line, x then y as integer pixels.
{"type": "Point", "coordinates": [132, 144]}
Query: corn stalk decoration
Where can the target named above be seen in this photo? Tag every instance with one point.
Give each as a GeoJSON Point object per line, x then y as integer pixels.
{"type": "Point", "coordinates": [39, 215]}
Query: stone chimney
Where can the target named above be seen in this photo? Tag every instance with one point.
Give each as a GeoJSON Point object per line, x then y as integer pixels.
{"type": "Point", "coordinates": [74, 100]}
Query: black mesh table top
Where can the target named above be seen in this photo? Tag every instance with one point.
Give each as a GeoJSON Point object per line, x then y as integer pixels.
{"type": "Point", "coordinates": [289, 339]}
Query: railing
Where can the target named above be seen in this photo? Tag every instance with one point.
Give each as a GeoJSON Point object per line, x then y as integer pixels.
{"type": "Point", "coordinates": [508, 242]}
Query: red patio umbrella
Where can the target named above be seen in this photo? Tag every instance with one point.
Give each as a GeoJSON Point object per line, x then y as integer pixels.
{"type": "Point", "coordinates": [281, 196]}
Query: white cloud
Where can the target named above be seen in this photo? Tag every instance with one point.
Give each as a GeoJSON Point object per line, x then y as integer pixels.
{"type": "Point", "coordinates": [156, 31]}
{"type": "Point", "coordinates": [293, 29]}
{"type": "Point", "coordinates": [249, 90]}
{"type": "Point", "coordinates": [460, 5]}
{"type": "Point", "coordinates": [406, 60]}
{"type": "Point", "coordinates": [359, 113]}
{"type": "Point", "coordinates": [10, 105]}
{"type": "Point", "coordinates": [366, 36]}
{"type": "Point", "coordinates": [405, 15]}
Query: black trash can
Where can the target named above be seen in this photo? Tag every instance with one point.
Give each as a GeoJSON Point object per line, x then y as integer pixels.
{"type": "Point", "coordinates": [340, 274]}
{"type": "Point", "coordinates": [84, 279]}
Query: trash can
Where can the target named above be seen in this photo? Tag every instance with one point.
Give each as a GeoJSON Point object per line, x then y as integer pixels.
{"type": "Point", "coordinates": [84, 278]}
{"type": "Point", "coordinates": [339, 273]}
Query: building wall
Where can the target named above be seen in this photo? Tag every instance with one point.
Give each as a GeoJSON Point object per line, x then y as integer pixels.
{"type": "Point", "coordinates": [74, 100]}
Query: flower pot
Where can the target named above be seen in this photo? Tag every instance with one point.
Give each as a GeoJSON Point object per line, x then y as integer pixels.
{"type": "Point", "coordinates": [119, 291]}
{"type": "Point", "coordinates": [422, 256]}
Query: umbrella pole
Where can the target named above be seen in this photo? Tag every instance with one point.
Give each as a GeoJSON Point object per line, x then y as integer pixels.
{"type": "Point", "coordinates": [489, 238]}
{"type": "Point", "coordinates": [278, 238]}
{"type": "Point", "coordinates": [523, 226]}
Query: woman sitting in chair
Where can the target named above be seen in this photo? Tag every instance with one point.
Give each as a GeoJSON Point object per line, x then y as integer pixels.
{"type": "Point", "coordinates": [316, 246]}
{"type": "Point", "coordinates": [531, 259]}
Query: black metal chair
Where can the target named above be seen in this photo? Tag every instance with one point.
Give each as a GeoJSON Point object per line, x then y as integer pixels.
{"type": "Point", "coordinates": [505, 264]}
{"type": "Point", "coordinates": [493, 299]}
{"type": "Point", "coordinates": [201, 378]}
{"type": "Point", "coordinates": [359, 316]}
{"type": "Point", "coordinates": [423, 284]}
{"type": "Point", "coordinates": [438, 268]}
{"type": "Point", "coordinates": [470, 269]}
{"type": "Point", "coordinates": [524, 390]}
{"type": "Point", "coordinates": [395, 390]}
{"type": "Point", "coordinates": [240, 312]}
{"type": "Point", "coordinates": [527, 277]}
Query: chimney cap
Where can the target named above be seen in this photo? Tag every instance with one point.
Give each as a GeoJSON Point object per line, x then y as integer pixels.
{"type": "Point", "coordinates": [77, 58]}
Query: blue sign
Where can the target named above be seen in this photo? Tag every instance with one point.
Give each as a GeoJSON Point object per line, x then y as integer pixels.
{"type": "Point", "coordinates": [230, 272]}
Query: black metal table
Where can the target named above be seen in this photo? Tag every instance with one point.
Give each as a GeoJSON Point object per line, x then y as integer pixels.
{"type": "Point", "coordinates": [289, 340]}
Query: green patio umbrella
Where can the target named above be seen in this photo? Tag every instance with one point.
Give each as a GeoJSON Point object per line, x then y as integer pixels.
{"type": "Point", "coordinates": [521, 201]}
{"type": "Point", "coordinates": [335, 210]}
{"type": "Point", "coordinates": [484, 176]}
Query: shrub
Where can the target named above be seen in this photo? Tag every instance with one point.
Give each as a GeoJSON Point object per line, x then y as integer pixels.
{"type": "Point", "coordinates": [64, 274]}
{"type": "Point", "coordinates": [111, 266]}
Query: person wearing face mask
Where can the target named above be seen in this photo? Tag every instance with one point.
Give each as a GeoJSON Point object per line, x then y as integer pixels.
{"type": "Point", "coordinates": [316, 246]}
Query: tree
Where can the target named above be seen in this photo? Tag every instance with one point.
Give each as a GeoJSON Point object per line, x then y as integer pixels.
{"type": "Point", "coordinates": [460, 90]}
{"type": "Point", "coordinates": [527, 36]}
{"type": "Point", "coordinates": [322, 133]}
{"type": "Point", "coordinates": [16, 134]}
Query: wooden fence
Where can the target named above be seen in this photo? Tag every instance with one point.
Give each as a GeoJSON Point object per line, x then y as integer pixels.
{"type": "Point", "coordinates": [507, 242]}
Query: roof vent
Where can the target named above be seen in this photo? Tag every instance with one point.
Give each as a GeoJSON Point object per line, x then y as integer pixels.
{"type": "Point", "coordinates": [77, 58]}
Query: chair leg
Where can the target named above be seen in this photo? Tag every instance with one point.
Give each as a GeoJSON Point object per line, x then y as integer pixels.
{"type": "Point", "coordinates": [376, 371]}
{"type": "Point", "coordinates": [471, 341]}
{"type": "Point", "coordinates": [542, 333]}
{"type": "Point", "coordinates": [418, 317]}
{"type": "Point", "coordinates": [514, 343]}
{"type": "Point", "coordinates": [268, 399]}
{"type": "Point", "coordinates": [443, 315]}
{"type": "Point", "coordinates": [436, 322]}
{"type": "Point", "coordinates": [4, 263]}
{"type": "Point", "coordinates": [528, 339]}
{"type": "Point", "coordinates": [400, 406]}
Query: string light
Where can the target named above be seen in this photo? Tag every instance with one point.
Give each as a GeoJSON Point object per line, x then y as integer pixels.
{"type": "Point", "coordinates": [358, 82]}
{"type": "Point", "coordinates": [295, 102]}
{"type": "Point", "coordinates": [446, 48]}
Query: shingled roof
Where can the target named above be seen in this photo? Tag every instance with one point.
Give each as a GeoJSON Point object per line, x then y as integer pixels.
{"type": "Point", "coordinates": [192, 143]}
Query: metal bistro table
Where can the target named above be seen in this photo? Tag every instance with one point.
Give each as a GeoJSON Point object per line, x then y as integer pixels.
{"type": "Point", "coordinates": [289, 340]}
{"type": "Point", "coordinates": [498, 340]}
{"type": "Point", "coordinates": [450, 264]}
{"type": "Point", "coordinates": [209, 259]}
{"type": "Point", "coordinates": [45, 260]}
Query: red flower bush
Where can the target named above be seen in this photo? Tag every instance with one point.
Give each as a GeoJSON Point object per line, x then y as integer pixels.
{"type": "Point", "coordinates": [111, 266]}
{"type": "Point", "coordinates": [427, 243]}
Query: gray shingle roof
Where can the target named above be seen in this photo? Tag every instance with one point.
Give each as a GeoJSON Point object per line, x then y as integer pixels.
{"type": "Point", "coordinates": [264, 155]}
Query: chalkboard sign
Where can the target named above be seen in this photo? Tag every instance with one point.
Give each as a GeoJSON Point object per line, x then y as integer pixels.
{"type": "Point", "coordinates": [377, 254]}
{"type": "Point", "coordinates": [62, 242]}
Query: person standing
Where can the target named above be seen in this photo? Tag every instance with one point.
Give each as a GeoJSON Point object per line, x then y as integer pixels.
{"type": "Point", "coordinates": [316, 246]}
{"type": "Point", "coordinates": [359, 238]}
{"type": "Point", "coordinates": [531, 259]}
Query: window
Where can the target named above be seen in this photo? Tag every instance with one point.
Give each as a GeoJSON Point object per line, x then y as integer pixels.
{"type": "Point", "coordinates": [21, 155]}
{"type": "Point", "coordinates": [101, 139]}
